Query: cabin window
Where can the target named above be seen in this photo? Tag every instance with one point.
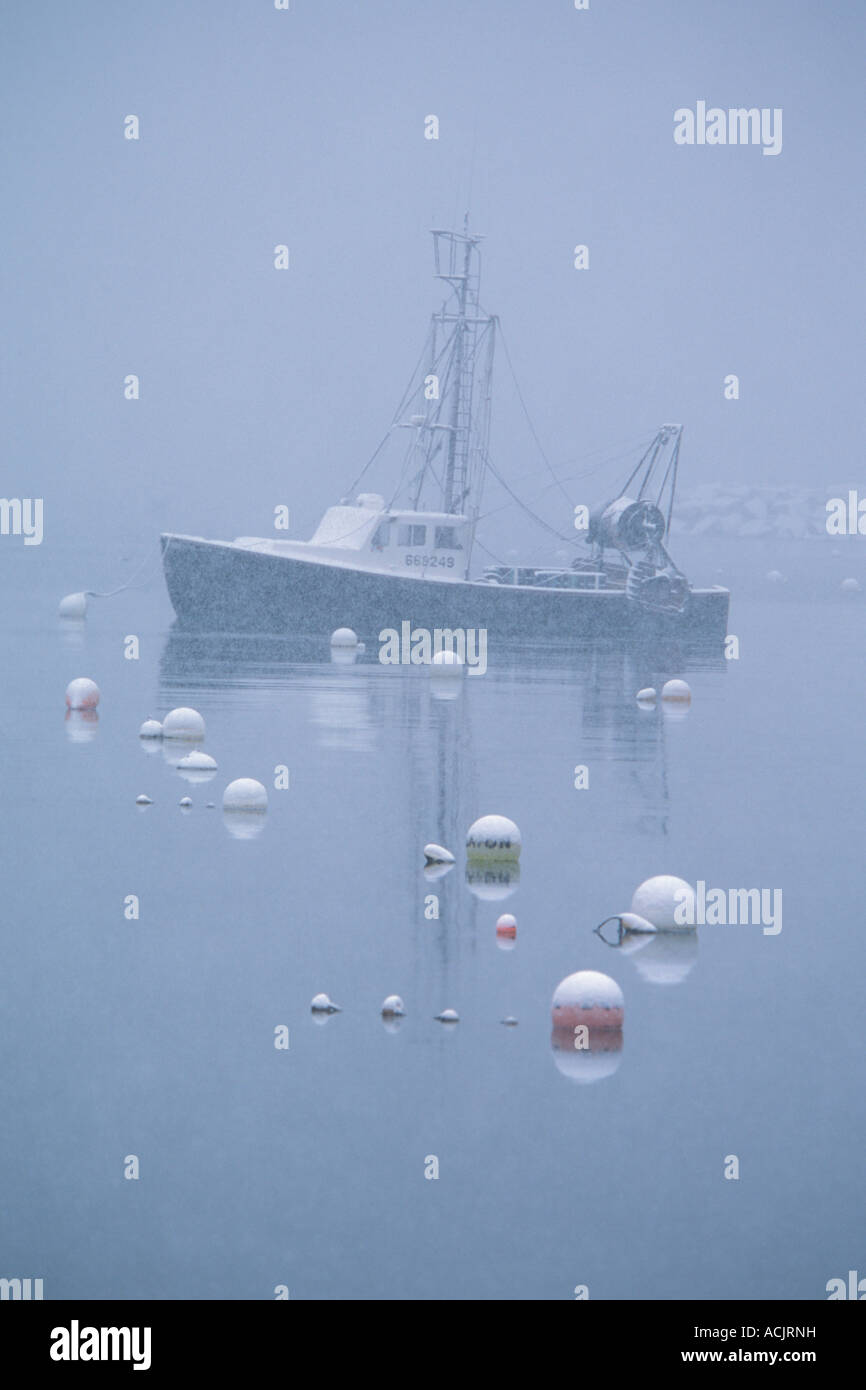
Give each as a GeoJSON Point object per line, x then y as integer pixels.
{"type": "Point", "coordinates": [446, 538]}
{"type": "Point", "coordinates": [411, 535]}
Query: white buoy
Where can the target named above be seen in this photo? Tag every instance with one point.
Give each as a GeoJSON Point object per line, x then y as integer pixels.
{"type": "Point", "coordinates": [246, 795]}
{"type": "Point", "coordinates": [197, 767]}
{"type": "Point", "coordinates": [73, 606]}
{"type": "Point", "coordinates": [321, 1004]}
{"type": "Point", "coordinates": [185, 803]}
{"type": "Point", "coordinates": [437, 854]}
{"type": "Point", "coordinates": [183, 723]}
{"type": "Point", "coordinates": [393, 1007]}
{"type": "Point", "coordinates": [446, 666]}
{"type": "Point", "coordinates": [493, 837]}
{"type": "Point", "coordinates": [344, 637]}
{"type": "Point", "coordinates": [510, 1021]}
{"type": "Point", "coordinates": [776, 577]}
{"type": "Point", "coordinates": [661, 900]}
{"type": "Point", "coordinates": [143, 800]}
{"type": "Point", "coordinates": [646, 698]}
{"type": "Point", "coordinates": [587, 997]}
{"type": "Point", "coordinates": [448, 1016]}
{"type": "Point", "coordinates": [631, 922]}
{"type": "Point", "coordinates": [506, 932]}
{"type": "Point", "coordinates": [676, 691]}
{"type": "Point", "coordinates": [151, 728]}
{"type": "Point", "coordinates": [82, 693]}
{"type": "Point", "coordinates": [850, 586]}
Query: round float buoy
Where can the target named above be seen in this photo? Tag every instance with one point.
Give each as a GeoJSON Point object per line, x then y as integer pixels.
{"type": "Point", "coordinates": [437, 854]}
{"type": "Point", "coordinates": [664, 899]}
{"type": "Point", "coordinates": [183, 723]}
{"type": "Point", "coordinates": [677, 692]}
{"type": "Point", "coordinates": [587, 997]}
{"type": "Point", "coordinates": [850, 586]}
{"type": "Point", "coordinates": [73, 606]}
{"type": "Point", "coordinates": [646, 698]}
{"type": "Point", "coordinates": [151, 728]}
{"type": "Point", "coordinates": [245, 795]}
{"type": "Point", "coordinates": [776, 577]}
{"type": "Point", "coordinates": [506, 932]}
{"type": "Point", "coordinates": [510, 1021]}
{"type": "Point", "coordinates": [393, 1007]}
{"type": "Point", "coordinates": [321, 1004]}
{"type": "Point", "coordinates": [344, 637]}
{"type": "Point", "coordinates": [197, 767]}
{"type": "Point", "coordinates": [448, 1016]}
{"type": "Point", "coordinates": [143, 800]}
{"type": "Point", "coordinates": [82, 693]}
{"type": "Point", "coordinates": [493, 837]}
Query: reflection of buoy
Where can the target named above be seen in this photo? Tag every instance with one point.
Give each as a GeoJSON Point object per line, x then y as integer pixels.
{"type": "Point", "coordinates": [197, 767]}
{"type": "Point", "coordinates": [493, 837]}
{"type": "Point", "coordinates": [436, 854]}
{"type": "Point", "coordinates": [183, 723]}
{"type": "Point", "coordinates": [247, 795]}
{"type": "Point", "coordinates": [73, 606]}
{"type": "Point", "coordinates": [492, 882]}
{"type": "Point", "coordinates": [677, 692]}
{"type": "Point", "coordinates": [646, 698]}
{"type": "Point", "coordinates": [506, 932]}
{"type": "Point", "coordinates": [82, 693]}
{"type": "Point", "coordinates": [599, 1058]}
{"type": "Point", "coordinates": [850, 586]}
{"type": "Point", "coordinates": [448, 1016]}
{"type": "Point", "coordinates": [587, 997]}
{"type": "Point", "coordinates": [393, 1007]}
{"type": "Point", "coordinates": [143, 800]}
{"type": "Point", "coordinates": [669, 956]}
{"type": "Point", "coordinates": [321, 1004]}
{"type": "Point", "coordinates": [661, 899]}
{"type": "Point", "coordinates": [151, 728]}
{"type": "Point", "coordinates": [81, 725]}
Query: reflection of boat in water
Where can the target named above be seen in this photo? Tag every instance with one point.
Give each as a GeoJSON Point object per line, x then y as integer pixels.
{"type": "Point", "coordinates": [372, 564]}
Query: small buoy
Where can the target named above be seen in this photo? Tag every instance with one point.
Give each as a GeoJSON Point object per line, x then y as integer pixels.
{"type": "Point", "coordinates": [850, 586]}
{"type": "Point", "coordinates": [510, 1021]}
{"type": "Point", "coordinates": [82, 693]}
{"type": "Point", "coordinates": [73, 606]}
{"type": "Point", "coordinates": [151, 728]}
{"type": "Point", "coordinates": [393, 1007]}
{"type": "Point", "coordinates": [211, 806]}
{"type": "Point", "coordinates": [446, 666]}
{"type": "Point", "coordinates": [587, 997]}
{"type": "Point", "coordinates": [321, 1004]}
{"type": "Point", "coordinates": [185, 802]}
{"type": "Point", "coordinates": [646, 698]}
{"type": "Point", "coordinates": [506, 932]}
{"type": "Point", "coordinates": [776, 577]}
{"type": "Point", "coordinates": [493, 837]}
{"type": "Point", "coordinates": [183, 723]}
{"type": "Point", "coordinates": [629, 923]}
{"type": "Point", "coordinates": [677, 691]}
{"type": "Point", "coordinates": [143, 800]}
{"type": "Point", "coordinates": [246, 795]}
{"type": "Point", "coordinates": [436, 854]}
{"type": "Point", "coordinates": [197, 767]}
{"type": "Point", "coordinates": [344, 637]}
{"type": "Point", "coordinates": [448, 1016]}
{"type": "Point", "coordinates": [664, 899]}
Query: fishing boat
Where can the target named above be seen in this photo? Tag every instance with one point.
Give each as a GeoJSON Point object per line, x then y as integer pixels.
{"type": "Point", "coordinates": [374, 563]}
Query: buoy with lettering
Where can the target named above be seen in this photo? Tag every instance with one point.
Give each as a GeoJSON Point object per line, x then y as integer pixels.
{"type": "Point", "coordinates": [448, 1016]}
{"type": "Point", "coordinates": [82, 693]}
{"type": "Point", "coordinates": [677, 692]}
{"type": "Point", "coordinates": [587, 997]}
{"type": "Point", "coordinates": [493, 837]}
{"type": "Point", "coordinates": [151, 728]}
{"type": "Point", "coordinates": [393, 1007]}
{"type": "Point", "coordinates": [73, 606]}
{"type": "Point", "coordinates": [664, 899]}
{"type": "Point", "coordinates": [321, 1004]}
{"type": "Point", "coordinates": [183, 723]}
